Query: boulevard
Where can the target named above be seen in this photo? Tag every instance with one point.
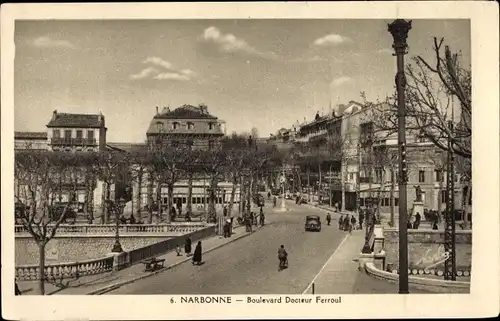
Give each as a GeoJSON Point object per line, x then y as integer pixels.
{"type": "Point", "coordinates": [249, 265]}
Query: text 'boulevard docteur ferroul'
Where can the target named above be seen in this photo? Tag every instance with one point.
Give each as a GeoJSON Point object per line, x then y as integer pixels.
{"type": "Point", "coordinates": [258, 299]}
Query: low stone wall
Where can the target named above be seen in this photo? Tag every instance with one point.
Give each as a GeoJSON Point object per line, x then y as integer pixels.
{"type": "Point", "coordinates": [78, 248]}
{"type": "Point", "coordinates": [426, 248]}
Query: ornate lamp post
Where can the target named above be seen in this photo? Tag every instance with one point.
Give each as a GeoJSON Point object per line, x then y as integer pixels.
{"type": "Point", "coordinates": [117, 247]}
{"type": "Point", "coordinates": [450, 269]}
{"type": "Point", "coordinates": [399, 30]}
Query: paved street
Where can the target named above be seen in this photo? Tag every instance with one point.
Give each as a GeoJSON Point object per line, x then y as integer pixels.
{"type": "Point", "coordinates": [250, 264]}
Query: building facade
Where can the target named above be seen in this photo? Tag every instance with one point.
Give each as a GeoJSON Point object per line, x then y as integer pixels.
{"type": "Point", "coordinates": [187, 125]}
{"type": "Point", "coordinates": [76, 132]}
{"type": "Point", "coordinates": [369, 161]}
{"type": "Point", "coordinates": [30, 140]}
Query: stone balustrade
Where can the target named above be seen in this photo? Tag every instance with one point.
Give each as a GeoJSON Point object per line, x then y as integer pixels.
{"type": "Point", "coordinates": [110, 229]}
{"type": "Point", "coordinates": [65, 270]}
{"type": "Point", "coordinates": [120, 260]}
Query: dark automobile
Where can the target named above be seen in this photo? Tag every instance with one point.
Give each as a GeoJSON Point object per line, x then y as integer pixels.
{"type": "Point", "coordinates": [258, 200]}
{"type": "Point", "coordinates": [313, 223]}
{"type": "Point", "coordinates": [61, 208]}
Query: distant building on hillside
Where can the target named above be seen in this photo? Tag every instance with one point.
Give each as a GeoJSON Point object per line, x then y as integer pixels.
{"type": "Point", "coordinates": [187, 125]}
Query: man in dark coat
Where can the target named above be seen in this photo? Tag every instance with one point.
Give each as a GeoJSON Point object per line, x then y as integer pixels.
{"type": "Point", "coordinates": [416, 224]}
{"type": "Point", "coordinates": [187, 246]}
{"type": "Point", "coordinates": [328, 218]}
{"type": "Point", "coordinates": [197, 254]}
{"type": "Point", "coordinates": [341, 222]}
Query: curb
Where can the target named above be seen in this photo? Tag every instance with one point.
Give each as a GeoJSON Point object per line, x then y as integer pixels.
{"type": "Point", "coordinates": [120, 284]}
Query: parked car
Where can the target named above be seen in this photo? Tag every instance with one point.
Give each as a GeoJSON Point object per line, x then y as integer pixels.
{"type": "Point", "coordinates": [313, 223]}
{"type": "Point", "coordinates": [258, 200]}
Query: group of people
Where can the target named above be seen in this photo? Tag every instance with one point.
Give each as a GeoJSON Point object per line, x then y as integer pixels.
{"type": "Point", "coordinates": [197, 251]}
{"type": "Point", "coordinates": [250, 219]}
{"type": "Point", "coordinates": [348, 223]}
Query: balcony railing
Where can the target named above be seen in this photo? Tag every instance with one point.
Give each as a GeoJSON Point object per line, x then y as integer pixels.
{"type": "Point", "coordinates": [73, 141]}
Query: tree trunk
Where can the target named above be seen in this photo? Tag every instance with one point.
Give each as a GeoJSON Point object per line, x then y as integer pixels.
{"type": "Point", "coordinates": [107, 196]}
{"type": "Point", "coordinates": [211, 204]}
{"type": "Point", "coordinates": [91, 199]}
{"type": "Point", "coordinates": [189, 203]}
{"type": "Point", "coordinates": [320, 186]}
{"type": "Point", "coordinates": [233, 192]}
{"type": "Point", "coordinates": [170, 202]}
{"type": "Point", "coordinates": [440, 198]}
{"type": "Point", "coordinates": [41, 267]}
{"type": "Point", "coordinates": [381, 192]}
{"type": "Point", "coordinates": [159, 201]}
{"type": "Point", "coordinates": [308, 185]}
{"type": "Point", "coordinates": [465, 204]}
{"type": "Point", "coordinates": [138, 199]}
{"type": "Point", "coordinates": [150, 199]}
{"type": "Point", "coordinates": [392, 200]}
{"type": "Point", "coordinates": [249, 194]}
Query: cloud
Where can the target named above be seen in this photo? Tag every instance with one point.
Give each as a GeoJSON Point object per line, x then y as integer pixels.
{"type": "Point", "coordinates": [339, 81]}
{"type": "Point", "coordinates": [159, 62]}
{"type": "Point", "coordinates": [331, 40]}
{"type": "Point", "coordinates": [144, 73]}
{"type": "Point", "coordinates": [231, 44]}
{"type": "Point", "coordinates": [169, 72]}
{"type": "Point", "coordinates": [48, 42]}
{"type": "Point", "coordinates": [172, 76]}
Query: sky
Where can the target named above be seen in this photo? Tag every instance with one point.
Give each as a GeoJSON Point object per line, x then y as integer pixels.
{"type": "Point", "coordinates": [265, 74]}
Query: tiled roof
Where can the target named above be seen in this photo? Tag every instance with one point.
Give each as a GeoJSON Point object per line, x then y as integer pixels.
{"type": "Point", "coordinates": [185, 112]}
{"type": "Point", "coordinates": [75, 120]}
{"type": "Point", "coordinates": [30, 135]}
{"type": "Point", "coordinates": [198, 128]}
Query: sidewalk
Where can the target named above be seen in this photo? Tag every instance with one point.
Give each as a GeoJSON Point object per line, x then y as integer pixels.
{"type": "Point", "coordinates": [101, 283]}
{"type": "Point", "coordinates": [340, 272]}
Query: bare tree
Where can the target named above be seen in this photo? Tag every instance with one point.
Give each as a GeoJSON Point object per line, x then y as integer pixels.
{"type": "Point", "coordinates": [213, 162]}
{"type": "Point", "coordinates": [41, 176]}
{"type": "Point", "coordinates": [236, 151]}
{"type": "Point", "coordinates": [431, 93]}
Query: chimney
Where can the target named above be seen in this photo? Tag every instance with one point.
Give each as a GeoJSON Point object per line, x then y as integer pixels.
{"type": "Point", "coordinates": [54, 114]}
{"type": "Point", "coordinates": [157, 110]}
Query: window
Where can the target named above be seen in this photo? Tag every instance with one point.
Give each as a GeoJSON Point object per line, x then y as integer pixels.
{"type": "Point", "coordinates": [439, 175]}
{"type": "Point", "coordinates": [189, 143]}
{"type": "Point", "coordinates": [210, 126]}
{"type": "Point", "coordinates": [421, 176]}
{"type": "Point", "coordinates": [443, 196]}
{"type": "Point", "coordinates": [396, 201]}
{"type": "Point", "coordinates": [190, 125]}
{"type": "Point", "coordinates": [175, 143]}
{"type": "Point", "coordinates": [175, 125]}
{"type": "Point", "coordinates": [90, 135]}
{"type": "Point", "coordinates": [457, 178]}
{"type": "Point", "coordinates": [351, 176]}
{"type": "Point", "coordinates": [211, 144]}
{"type": "Point", "coordinates": [379, 175]}
{"type": "Point", "coordinates": [159, 127]}
{"type": "Point", "coordinates": [56, 133]}
{"type": "Point", "coordinates": [67, 133]}
{"type": "Point", "coordinates": [79, 133]}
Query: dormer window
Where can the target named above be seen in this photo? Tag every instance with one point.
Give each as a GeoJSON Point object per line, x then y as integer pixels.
{"type": "Point", "coordinates": [190, 126]}
{"type": "Point", "coordinates": [159, 126]}
{"type": "Point", "coordinates": [210, 126]}
{"type": "Point", "coordinates": [175, 125]}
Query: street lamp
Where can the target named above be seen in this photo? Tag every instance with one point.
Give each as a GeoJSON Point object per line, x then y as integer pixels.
{"type": "Point", "coordinates": [399, 30]}
{"type": "Point", "coordinates": [119, 207]}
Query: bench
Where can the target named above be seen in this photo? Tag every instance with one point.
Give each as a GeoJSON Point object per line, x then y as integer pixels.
{"type": "Point", "coordinates": [153, 264]}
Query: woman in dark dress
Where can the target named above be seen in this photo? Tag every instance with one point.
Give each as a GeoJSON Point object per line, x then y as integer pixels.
{"type": "Point", "coordinates": [187, 246]}
{"type": "Point", "coordinates": [197, 254]}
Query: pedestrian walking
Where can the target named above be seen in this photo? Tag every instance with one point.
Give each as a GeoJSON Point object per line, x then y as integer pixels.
{"type": "Point", "coordinates": [187, 246]}
{"type": "Point", "coordinates": [274, 201]}
{"type": "Point", "coordinates": [268, 195]}
{"type": "Point", "coordinates": [328, 218]}
{"type": "Point", "coordinates": [262, 218]}
{"type": "Point", "coordinates": [197, 254]}
{"type": "Point", "coordinates": [353, 222]}
{"type": "Point", "coordinates": [416, 224]}
{"type": "Point", "coordinates": [224, 210]}
{"type": "Point", "coordinates": [226, 228]}
{"type": "Point", "coordinates": [341, 222]}
{"type": "Point", "coordinates": [178, 250]}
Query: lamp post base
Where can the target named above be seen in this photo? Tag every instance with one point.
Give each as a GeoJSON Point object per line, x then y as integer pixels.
{"type": "Point", "coordinates": [366, 249]}
{"type": "Point", "coordinates": [117, 247]}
